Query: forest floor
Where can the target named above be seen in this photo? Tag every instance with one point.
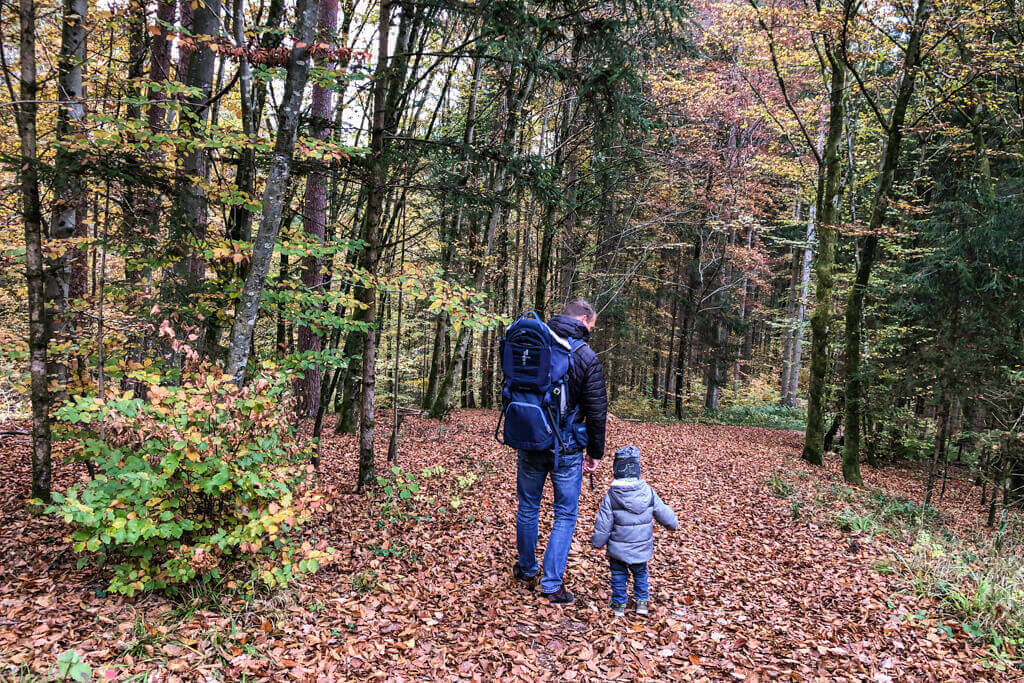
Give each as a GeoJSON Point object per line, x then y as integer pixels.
{"type": "Point", "coordinates": [756, 584]}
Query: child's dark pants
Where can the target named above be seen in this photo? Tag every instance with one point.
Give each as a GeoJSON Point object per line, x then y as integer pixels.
{"type": "Point", "coordinates": [620, 581]}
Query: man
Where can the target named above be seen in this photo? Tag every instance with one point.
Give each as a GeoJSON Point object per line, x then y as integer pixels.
{"type": "Point", "coordinates": [589, 400]}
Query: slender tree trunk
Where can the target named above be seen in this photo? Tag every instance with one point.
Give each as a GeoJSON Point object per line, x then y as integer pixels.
{"type": "Point", "coordinates": [348, 408]}
{"type": "Point", "coordinates": [574, 240]}
{"type": "Point", "coordinates": [314, 221]}
{"type": "Point", "coordinates": [192, 201]}
{"type": "Point", "coordinates": [787, 343]}
{"type": "Point", "coordinates": [38, 324]}
{"type": "Point", "coordinates": [879, 209]}
{"type": "Point", "coordinates": [689, 324]}
{"type": "Point", "coordinates": [367, 294]}
{"type": "Point", "coordinates": [247, 309]}
{"type": "Point", "coordinates": [669, 373]}
{"type": "Point", "coordinates": [252, 99]}
{"type": "Point", "coordinates": [66, 274]}
{"type": "Point", "coordinates": [942, 423]}
{"type": "Point", "coordinates": [801, 307]}
{"type": "Point", "coordinates": [436, 358]}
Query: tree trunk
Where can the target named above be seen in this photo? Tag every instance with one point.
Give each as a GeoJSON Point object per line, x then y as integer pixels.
{"type": "Point", "coordinates": [192, 201]}
{"type": "Point", "coordinates": [66, 274]}
{"type": "Point", "coordinates": [367, 294]}
{"type": "Point", "coordinates": [787, 343]}
{"type": "Point", "coordinates": [251, 101]}
{"type": "Point", "coordinates": [314, 221]}
{"type": "Point", "coordinates": [436, 358]}
{"type": "Point", "coordinates": [829, 189]}
{"type": "Point", "coordinates": [689, 323]}
{"type": "Point", "coordinates": [801, 308]}
{"type": "Point", "coordinates": [668, 386]}
{"type": "Point", "coordinates": [247, 309]}
{"type": "Point", "coordinates": [879, 209]}
{"type": "Point", "coordinates": [38, 324]}
{"type": "Point", "coordinates": [942, 423]}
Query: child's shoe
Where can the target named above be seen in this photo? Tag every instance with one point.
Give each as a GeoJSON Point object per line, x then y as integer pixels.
{"type": "Point", "coordinates": [618, 609]}
{"type": "Point", "coordinates": [641, 607]}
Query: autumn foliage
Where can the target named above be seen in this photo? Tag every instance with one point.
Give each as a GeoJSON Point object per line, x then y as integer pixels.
{"type": "Point", "coordinates": [202, 480]}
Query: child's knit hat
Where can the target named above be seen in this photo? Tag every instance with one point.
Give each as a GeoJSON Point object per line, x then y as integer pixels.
{"type": "Point", "coordinates": [627, 463]}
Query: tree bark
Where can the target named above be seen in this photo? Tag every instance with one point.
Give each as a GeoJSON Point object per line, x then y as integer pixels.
{"type": "Point", "coordinates": [801, 307]}
{"type": "Point", "coordinates": [689, 323]}
{"type": "Point", "coordinates": [38, 327]}
{"type": "Point", "coordinates": [367, 293]}
{"type": "Point", "coordinates": [829, 190]}
{"type": "Point", "coordinates": [314, 221]}
{"type": "Point", "coordinates": [247, 309]}
{"type": "Point", "coordinates": [192, 201]}
{"type": "Point", "coordinates": [785, 398]}
{"type": "Point", "coordinates": [879, 210]}
{"type": "Point", "coordinates": [66, 274]}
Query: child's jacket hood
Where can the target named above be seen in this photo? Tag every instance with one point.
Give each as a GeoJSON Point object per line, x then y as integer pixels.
{"type": "Point", "coordinates": [634, 496]}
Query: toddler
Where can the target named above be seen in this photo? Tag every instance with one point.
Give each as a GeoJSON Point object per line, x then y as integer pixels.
{"type": "Point", "coordinates": [625, 523]}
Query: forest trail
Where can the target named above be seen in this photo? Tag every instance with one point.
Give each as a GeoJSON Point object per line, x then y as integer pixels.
{"type": "Point", "coordinates": [741, 591]}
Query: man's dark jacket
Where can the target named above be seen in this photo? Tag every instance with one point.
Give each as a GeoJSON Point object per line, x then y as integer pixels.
{"type": "Point", "coordinates": [586, 383]}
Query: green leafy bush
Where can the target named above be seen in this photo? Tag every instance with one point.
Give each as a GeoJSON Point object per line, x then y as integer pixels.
{"type": "Point", "coordinates": [197, 480]}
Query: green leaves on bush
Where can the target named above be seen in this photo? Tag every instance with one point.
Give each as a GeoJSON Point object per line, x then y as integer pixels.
{"type": "Point", "coordinates": [194, 481]}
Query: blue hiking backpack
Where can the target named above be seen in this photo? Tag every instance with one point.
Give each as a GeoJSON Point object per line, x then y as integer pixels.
{"type": "Point", "coordinates": [535, 392]}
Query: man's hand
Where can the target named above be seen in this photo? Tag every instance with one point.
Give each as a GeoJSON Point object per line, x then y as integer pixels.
{"type": "Point", "coordinates": [589, 464]}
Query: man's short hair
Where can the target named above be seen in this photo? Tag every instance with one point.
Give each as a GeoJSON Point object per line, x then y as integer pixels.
{"type": "Point", "coordinates": [580, 308]}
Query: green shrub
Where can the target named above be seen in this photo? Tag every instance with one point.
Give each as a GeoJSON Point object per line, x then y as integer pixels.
{"type": "Point", "coordinates": [891, 509]}
{"type": "Point", "coordinates": [194, 481]}
{"type": "Point", "coordinates": [365, 582]}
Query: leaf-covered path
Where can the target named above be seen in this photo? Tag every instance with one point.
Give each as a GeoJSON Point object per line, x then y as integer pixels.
{"type": "Point", "coordinates": [741, 591]}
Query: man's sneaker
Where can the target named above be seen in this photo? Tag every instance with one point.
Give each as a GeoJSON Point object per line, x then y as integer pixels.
{"type": "Point", "coordinates": [560, 597]}
{"type": "Point", "coordinates": [619, 609]}
{"type": "Point", "coordinates": [520, 575]}
{"type": "Point", "coordinates": [641, 607]}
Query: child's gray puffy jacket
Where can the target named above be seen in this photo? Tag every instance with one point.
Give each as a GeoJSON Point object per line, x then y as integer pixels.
{"type": "Point", "coordinates": [625, 521]}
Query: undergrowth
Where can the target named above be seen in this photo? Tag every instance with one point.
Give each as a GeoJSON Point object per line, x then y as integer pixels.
{"type": "Point", "coordinates": [979, 582]}
{"type": "Point", "coordinates": [632, 406]}
{"type": "Point", "coordinates": [981, 585]}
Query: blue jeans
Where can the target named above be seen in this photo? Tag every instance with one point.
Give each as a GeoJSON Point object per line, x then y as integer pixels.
{"type": "Point", "coordinates": [620, 581]}
{"type": "Point", "coordinates": [566, 481]}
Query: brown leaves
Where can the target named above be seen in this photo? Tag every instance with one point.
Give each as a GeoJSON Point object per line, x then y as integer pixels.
{"type": "Point", "coordinates": [740, 592]}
